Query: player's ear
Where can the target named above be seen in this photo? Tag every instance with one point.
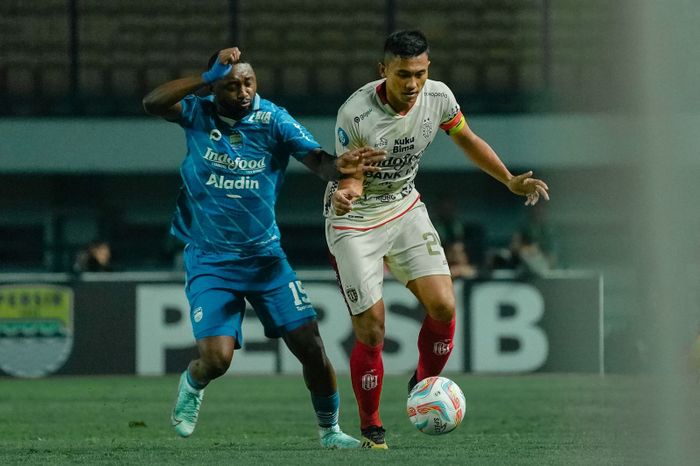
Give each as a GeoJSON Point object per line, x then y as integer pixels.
{"type": "Point", "coordinates": [382, 69]}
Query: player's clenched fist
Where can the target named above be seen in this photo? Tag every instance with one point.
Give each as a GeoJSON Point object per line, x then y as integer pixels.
{"type": "Point", "coordinates": [222, 66]}
{"type": "Point", "coordinates": [342, 200]}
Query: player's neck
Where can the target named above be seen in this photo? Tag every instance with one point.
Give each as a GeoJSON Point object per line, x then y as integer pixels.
{"type": "Point", "coordinates": [397, 106]}
{"type": "Point", "coordinates": [400, 108]}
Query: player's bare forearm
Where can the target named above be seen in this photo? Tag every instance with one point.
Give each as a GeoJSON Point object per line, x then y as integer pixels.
{"type": "Point", "coordinates": [322, 164]}
{"type": "Point", "coordinates": [165, 99]}
{"type": "Point", "coordinates": [486, 158]}
{"type": "Point", "coordinates": [352, 183]}
{"type": "Point", "coordinates": [354, 162]}
{"type": "Point", "coordinates": [482, 155]}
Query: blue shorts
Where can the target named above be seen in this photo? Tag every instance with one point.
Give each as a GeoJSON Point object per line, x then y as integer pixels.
{"type": "Point", "coordinates": [217, 296]}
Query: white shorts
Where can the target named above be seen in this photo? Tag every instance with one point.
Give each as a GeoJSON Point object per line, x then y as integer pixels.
{"type": "Point", "coordinates": [409, 245]}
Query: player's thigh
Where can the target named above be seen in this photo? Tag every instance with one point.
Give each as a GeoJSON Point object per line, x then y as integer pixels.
{"type": "Point", "coordinates": [415, 248]}
{"type": "Point", "coordinates": [359, 263]}
{"type": "Point", "coordinates": [282, 309]}
{"type": "Point", "coordinates": [216, 312]}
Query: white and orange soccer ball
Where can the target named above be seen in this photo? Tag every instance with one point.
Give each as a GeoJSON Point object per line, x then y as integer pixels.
{"type": "Point", "coordinates": [436, 405]}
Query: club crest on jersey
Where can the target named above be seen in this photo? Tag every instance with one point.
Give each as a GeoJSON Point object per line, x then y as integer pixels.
{"type": "Point", "coordinates": [236, 139]}
{"type": "Point", "coordinates": [427, 128]}
{"type": "Point", "coordinates": [343, 137]}
{"type": "Point", "coordinates": [381, 143]}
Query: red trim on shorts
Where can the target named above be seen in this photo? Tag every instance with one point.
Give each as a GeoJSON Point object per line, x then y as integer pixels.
{"type": "Point", "coordinates": [377, 226]}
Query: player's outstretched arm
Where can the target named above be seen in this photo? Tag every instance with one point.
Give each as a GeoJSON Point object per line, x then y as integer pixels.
{"type": "Point", "coordinates": [330, 168]}
{"type": "Point", "coordinates": [164, 100]}
{"type": "Point", "coordinates": [486, 159]}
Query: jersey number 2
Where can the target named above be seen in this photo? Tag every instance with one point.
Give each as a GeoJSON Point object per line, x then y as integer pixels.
{"type": "Point", "coordinates": [430, 241]}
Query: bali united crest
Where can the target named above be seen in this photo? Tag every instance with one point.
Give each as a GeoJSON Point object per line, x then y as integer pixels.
{"type": "Point", "coordinates": [427, 128]}
{"type": "Point", "coordinates": [352, 295]}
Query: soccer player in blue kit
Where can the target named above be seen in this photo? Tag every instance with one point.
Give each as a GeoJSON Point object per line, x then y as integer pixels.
{"type": "Point", "coordinates": [238, 147]}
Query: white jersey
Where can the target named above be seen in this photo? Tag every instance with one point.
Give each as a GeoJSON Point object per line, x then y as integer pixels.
{"type": "Point", "coordinates": [367, 119]}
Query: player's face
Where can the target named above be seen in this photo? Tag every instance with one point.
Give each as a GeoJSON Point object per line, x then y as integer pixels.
{"type": "Point", "coordinates": [235, 93]}
{"type": "Point", "coordinates": [405, 78]}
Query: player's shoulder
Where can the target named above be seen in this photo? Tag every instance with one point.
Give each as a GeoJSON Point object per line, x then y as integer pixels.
{"type": "Point", "coordinates": [265, 111]}
{"type": "Point", "coordinates": [361, 98]}
{"type": "Point", "coordinates": [204, 101]}
{"type": "Point", "coordinates": [264, 105]}
{"type": "Point", "coordinates": [437, 90]}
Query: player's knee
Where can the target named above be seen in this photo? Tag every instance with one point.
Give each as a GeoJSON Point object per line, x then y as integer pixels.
{"type": "Point", "coordinates": [442, 310]}
{"type": "Point", "coordinates": [371, 335]}
{"type": "Point", "coordinates": [217, 363]}
{"type": "Point", "coordinates": [314, 356]}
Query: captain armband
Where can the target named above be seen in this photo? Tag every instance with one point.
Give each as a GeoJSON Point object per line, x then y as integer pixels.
{"type": "Point", "coordinates": [455, 125]}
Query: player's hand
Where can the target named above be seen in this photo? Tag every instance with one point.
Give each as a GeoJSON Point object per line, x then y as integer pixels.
{"type": "Point", "coordinates": [222, 66]}
{"type": "Point", "coordinates": [359, 161]}
{"type": "Point", "coordinates": [342, 200]}
{"type": "Point", "coordinates": [532, 188]}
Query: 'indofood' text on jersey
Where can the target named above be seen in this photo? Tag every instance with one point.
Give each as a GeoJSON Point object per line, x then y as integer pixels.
{"type": "Point", "coordinates": [367, 119]}
{"type": "Point", "coordinates": [232, 175]}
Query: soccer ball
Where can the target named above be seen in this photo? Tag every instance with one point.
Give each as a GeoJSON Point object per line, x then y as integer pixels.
{"type": "Point", "coordinates": [436, 406]}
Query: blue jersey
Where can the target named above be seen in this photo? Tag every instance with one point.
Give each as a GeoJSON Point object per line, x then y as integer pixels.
{"type": "Point", "coordinates": [232, 175]}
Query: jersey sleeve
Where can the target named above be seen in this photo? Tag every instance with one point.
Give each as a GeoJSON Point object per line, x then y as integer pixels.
{"type": "Point", "coordinates": [451, 120]}
{"type": "Point", "coordinates": [296, 139]}
{"type": "Point", "coordinates": [190, 107]}
{"type": "Point", "coordinates": [347, 132]}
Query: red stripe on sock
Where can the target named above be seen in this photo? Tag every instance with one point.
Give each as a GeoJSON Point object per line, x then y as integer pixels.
{"type": "Point", "coordinates": [434, 346]}
{"type": "Point", "coordinates": [367, 374]}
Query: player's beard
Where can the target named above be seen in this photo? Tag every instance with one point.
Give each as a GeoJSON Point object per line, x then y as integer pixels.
{"type": "Point", "coordinates": [234, 110]}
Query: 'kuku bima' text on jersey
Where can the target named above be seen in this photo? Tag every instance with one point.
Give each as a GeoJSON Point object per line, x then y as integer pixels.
{"type": "Point", "coordinates": [367, 119]}
{"type": "Point", "coordinates": [232, 175]}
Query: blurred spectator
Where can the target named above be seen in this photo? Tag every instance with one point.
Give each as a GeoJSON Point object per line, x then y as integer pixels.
{"type": "Point", "coordinates": [452, 228]}
{"type": "Point", "coordinates": [95, 257]}
{"type": "Point", "coordinates": [540, 232]}
{"type": "Point", "coordinates": [523, 255]}
{"type": "Point", "coordinates": [458, 260]}
{"type": "Point", "coordinates": [529, 258]}
{"type": "Point", "coordinates": [447, 222]}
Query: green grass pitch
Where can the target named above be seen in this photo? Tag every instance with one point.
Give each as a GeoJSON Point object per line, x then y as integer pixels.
{"type": "Point", "coordinates": [535, 419]}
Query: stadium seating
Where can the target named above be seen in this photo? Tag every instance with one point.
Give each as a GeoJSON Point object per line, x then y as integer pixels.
{"type": "Point", "coordinates": [502, 54]}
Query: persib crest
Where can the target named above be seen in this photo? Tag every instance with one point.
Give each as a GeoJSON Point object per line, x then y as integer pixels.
{"type": "Point", "coordinates": [36, 329]}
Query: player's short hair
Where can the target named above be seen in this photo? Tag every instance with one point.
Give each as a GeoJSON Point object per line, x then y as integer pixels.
{"type": "Point", "coordinates": [406, 44]}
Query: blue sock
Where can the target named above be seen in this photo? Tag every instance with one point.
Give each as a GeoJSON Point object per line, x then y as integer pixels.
{"type": "Point", "coordinates": [326, 408]}
{"type": "Point", "coordinates": [193, 383]}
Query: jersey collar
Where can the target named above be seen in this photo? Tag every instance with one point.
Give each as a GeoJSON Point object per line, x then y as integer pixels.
{"type": "Point", "coordinates": [231, 121]}
{"type": "Point", "coordinates": [384, 102]}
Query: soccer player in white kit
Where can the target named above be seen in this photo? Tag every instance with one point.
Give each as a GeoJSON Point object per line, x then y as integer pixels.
{"type": "Point", "coordinates": [379, 218]}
